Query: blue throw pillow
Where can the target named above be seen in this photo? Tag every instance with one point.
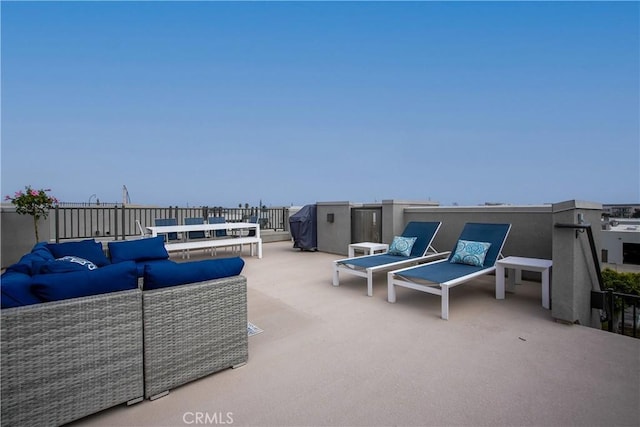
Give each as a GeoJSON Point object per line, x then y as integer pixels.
{"type": "Point", "coordinates": [23, 266]}
{"type": "Point", "coordinates": [401, 245]}
{"type": "Point", "coordinates": [32, 262]}
{"type": "Point", "coordinates": [87, 249]}
{"type": "Point", "coordinates": [15, 290]}
{"type": "Point", "coordinates": [161, 275]}
{"type": "Point", "coordinates": [42, 251]}
{"type": "Point", "coordinates": [471, 253]}
{"type": "Point", "coordinates": [138, 250]}
{"type": "Point", "coordinates": [110, 278]}
{"type": "Point", "coordinates": [29, 264]}
{"type": "Point", "coordinates": [67, 264]}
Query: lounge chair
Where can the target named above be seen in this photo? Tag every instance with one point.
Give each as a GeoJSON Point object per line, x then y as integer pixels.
{"type": "Point", "coordinates": [437, 277]}
{"type": "Point", "coordinates": [365, 266]}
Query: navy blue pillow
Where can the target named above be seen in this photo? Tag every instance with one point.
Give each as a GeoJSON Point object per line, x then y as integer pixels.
{"type": "Point", "coordinates": [15, 290]}
{"type": "Point", "coordinates": [110, 278]}
{"type": "Point", "coordinates": [29, 264]}
{"type": "Point", "coordinates": [67, 264]}
{"type": "Point", "coordinates": [138, 250]}
{"type": "Point", "coordinates": [161, 275]}
{"type": "Point", "coordinates": [42, 250]}
{"type": "Point", "coordinates": [32, 262]}
{"type": "Point", "coordinates": [87, 249]}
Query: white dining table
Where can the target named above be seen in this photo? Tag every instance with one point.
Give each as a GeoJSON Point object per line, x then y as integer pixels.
{"type": "Point", "coordinates": [210, 242]}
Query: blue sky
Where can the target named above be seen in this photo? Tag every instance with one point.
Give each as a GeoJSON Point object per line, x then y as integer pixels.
{"type": "Point", "coordinates": [207, 103]}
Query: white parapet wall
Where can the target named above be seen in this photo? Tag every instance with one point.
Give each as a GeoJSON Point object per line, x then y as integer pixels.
{"type": "Point", "coordinates": [18, 234]}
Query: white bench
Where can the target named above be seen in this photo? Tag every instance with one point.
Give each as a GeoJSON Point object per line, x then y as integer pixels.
{"type": "Point", "coordinates": [216, 243]}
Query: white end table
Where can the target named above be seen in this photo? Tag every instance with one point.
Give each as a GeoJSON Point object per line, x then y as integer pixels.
{"type": "Point", "coordinates": [369, 247]}
{"type": "Point", "coordinates": [518, 264]}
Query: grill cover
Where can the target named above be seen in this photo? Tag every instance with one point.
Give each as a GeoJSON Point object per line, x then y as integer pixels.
{"type": "Point", "coordinates": [304, 225]}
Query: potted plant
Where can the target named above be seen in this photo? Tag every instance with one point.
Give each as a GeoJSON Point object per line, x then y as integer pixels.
{"type": "Point", "coordinates": [33, 202]}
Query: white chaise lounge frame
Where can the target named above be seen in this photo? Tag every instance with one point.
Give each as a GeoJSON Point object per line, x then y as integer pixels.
{"type": "Point", "coordinates": [394, 278]}
{"type": "Point", "coordinates": [342, 265]}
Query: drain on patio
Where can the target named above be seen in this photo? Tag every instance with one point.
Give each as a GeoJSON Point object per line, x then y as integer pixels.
{"type": "Point", "coordinates": [253, 329]}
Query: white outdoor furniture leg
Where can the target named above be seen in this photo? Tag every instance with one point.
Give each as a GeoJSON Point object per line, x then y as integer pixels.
{"type": "Point", "coordinates": [512, 278]}
{"type": "Point", "coordinates": [336, 275]}
{"type": "Point", "coordinates": [391, 289]}
{"type": "Point", "coordinates": [445, 303]}
{"type": "Point", "coordinates": [545, 289]}
{"type": "Point", "coordinates": [369, 282]}
{"type": "Point", "coordinates": [499, 281]}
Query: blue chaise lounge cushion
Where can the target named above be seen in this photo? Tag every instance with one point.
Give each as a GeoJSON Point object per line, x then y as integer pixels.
{"type": "Point", "coordinates": [87, 249]}
{"type": "Point", "coordinates": [110, 278]}
{"type": "Point", "coordinates": [138, 250]}
{"type": "Point", "coordinates": [161, 275]}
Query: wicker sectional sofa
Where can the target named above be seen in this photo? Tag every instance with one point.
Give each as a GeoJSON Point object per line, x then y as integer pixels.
{"type": "Point", "coordinates": [63, 360]}
{"type": "Point", "coordinates": [66, 359]}
{"type": "Point", "coordinates": [193, 330]}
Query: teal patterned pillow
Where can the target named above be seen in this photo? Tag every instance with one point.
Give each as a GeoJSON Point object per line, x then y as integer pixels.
{"type": "Point", "coordinates": [472, 253]}
{"type": "Point", "coordinates": [401, 245]}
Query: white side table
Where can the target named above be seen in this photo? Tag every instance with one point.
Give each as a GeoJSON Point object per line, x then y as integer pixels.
{"type": "Point", "coordinates": [518, 264]}
{"type": "Point", "coordinates": [369, 247]}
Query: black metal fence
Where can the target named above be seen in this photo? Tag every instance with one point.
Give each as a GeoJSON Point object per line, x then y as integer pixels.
{"type": "Point", "coordinates": [619, 312]}
{"type": "Point", "coordinates": [623, 312]}
{"type": "Point", "coordinates": [119, 222]}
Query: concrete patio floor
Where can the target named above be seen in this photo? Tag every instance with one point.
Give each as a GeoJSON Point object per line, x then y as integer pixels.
{"type": "Point", "coordinates": [331, 356]}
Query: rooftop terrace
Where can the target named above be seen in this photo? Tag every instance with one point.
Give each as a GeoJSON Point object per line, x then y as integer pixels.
{"type": "Point", "coordinates": [333, 356]}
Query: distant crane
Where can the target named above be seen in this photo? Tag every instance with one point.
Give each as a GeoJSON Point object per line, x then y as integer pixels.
{"type": "Point", "coordinates": [125, 195]}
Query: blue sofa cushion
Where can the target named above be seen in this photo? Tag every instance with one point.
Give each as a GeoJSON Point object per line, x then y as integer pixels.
{"type": "Point", "coordinates": [15, 290]}
{"type": "Point", "coordinates": [110, 278]}
{"type": "Point", "coordinates": [87, 249]}
{"type": "Point", "coordinates": [162, 275]}
{"type": "Point", "coordinates": [138, 250]}
{"type": "Point", "coordinates": [67, 264]}
{"type": "Point", "coordinates": [29, 264]}
{"type": "Point", "coordinates": [140, 265]}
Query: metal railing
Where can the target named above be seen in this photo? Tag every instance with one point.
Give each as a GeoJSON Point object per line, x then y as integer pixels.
{"type": "Point", "coordinates": [625, 311]}
{"type": "Point", "coordinates": [119, 222]}
{"type": "Point", "coordinates": [607, 300]}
